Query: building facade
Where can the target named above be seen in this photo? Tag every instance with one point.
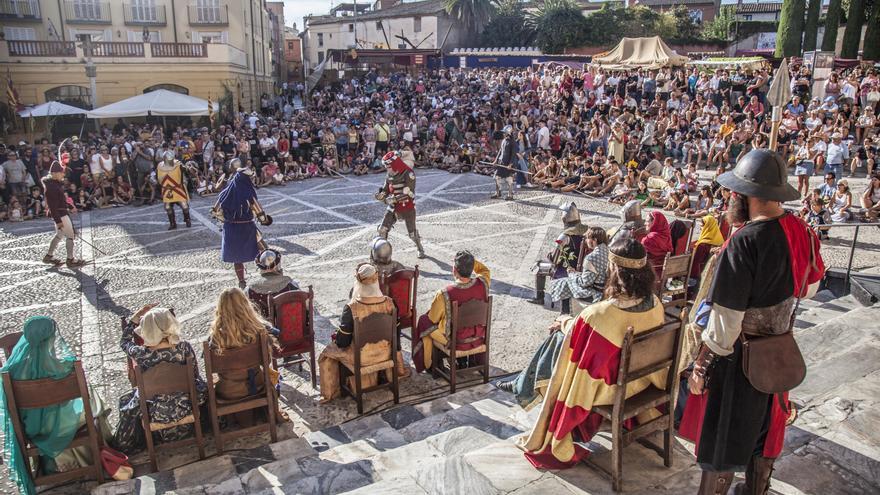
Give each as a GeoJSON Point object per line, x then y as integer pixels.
{"type": "Point", "coordinates": [386, 26]}
{"type": "Point", "coordinates": [276, 21]}
{"type": "Point", "coordinates": [207, 48]}
{"type": "Point", "coordinates": [293, 58]}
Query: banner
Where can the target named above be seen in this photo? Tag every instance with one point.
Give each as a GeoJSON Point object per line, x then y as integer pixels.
{"type": "Point", "coordinates": [315, 76]}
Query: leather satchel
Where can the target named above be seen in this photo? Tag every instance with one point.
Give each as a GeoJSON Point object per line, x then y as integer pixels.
{"type": "Point", "coordinates": [773, 364]}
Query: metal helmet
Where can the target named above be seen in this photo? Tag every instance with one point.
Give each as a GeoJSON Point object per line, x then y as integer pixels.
{"type": "Point", "coordinates": [380, 251]}
{"type": "Point", "coordinates": [761, 174]}
{"type": "Point", "coordinates": [508, 130]}
{"type": "Point", "coordinates": [268, 260]}
{"type": "Point", "coordinates": [235, 164]}
{"type": "Point", "coordinates": [572, 216]}
{"type": "Point", "coordinates": [632, 212]}
{"type": "Point", "coordinates": [168, 156]}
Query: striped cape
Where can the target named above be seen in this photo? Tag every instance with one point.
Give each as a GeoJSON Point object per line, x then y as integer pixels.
{"type": "Point", "coordinates": [585, 376]}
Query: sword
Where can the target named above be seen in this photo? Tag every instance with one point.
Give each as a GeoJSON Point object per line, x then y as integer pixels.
{"type": "Point", "coordinates": [506, 167]}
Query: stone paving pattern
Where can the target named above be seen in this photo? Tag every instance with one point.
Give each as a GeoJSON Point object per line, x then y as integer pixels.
{"type": "Point", "coordinates": [323, 227]}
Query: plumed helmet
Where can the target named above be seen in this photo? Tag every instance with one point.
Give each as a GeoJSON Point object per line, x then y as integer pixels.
{"type": "Point", "coordinates": [268, 260]}
{"type": "Point", "coordinates": [632, 211]}
{"type": "Point", "coordinates": [56, 167]}
{"type": "Point", "coordinates": [572, 216]}
{"type": "Point", "coordinates": [390, 157]}
{"type": "Point", "coordinates": [380, 251]}
{"type": "Point", "coordinates": [760, 174]}
{"type": "Point", "coordinates": [168, 156]}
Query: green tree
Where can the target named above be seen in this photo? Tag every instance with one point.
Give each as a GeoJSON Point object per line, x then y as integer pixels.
{"type": "Point", "coordinates": [832, 20]}
{"type": "Point", "coordinates": [791, 26]}
{"type": "Point", "coordinates": [811, 26]}
{"type": "Point", "coordinates": [559, 24]}
{"type": "Point", "coordinates": [852, 37]}
{"type": "Point", "coordinates": [683, 23]}
{"type": "Point", "coordinates": [473, 14]}
{"type": "Point", "coordinates": [871, 50]}
{"type": "Point", "coordinates": [508, 27]}
{"type": "Point", "coordinates": [719, 27]}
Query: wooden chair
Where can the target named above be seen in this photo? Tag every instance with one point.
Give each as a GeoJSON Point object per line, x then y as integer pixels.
{"type": "Point", "coordinates": [168, 378]}
{"type": "Point", "coordinates": [471, 314]}
{"type": "Point", "coordinates": [7, 343]}
{"type": "Point", "coordinates": [374, 328]}
{"type": "Point", "coordinates": [130, 364]}
{"type": "Point", "coordinates": [674, 268]}
{"type": "Point", "coordinates": [36, 394]}
{"type": "Point", "coordinates": [244, 358]}
{"type": "Point", "coordinates": [582, 253]}
{"type": "Point", "coordinates": [293, 313]}
{"type": "Point", "coordinates": [402, 287]}
{"type": "Point", "coordinates": [683, 243]}
{"type": "Point", "coordinates": [641, 355]}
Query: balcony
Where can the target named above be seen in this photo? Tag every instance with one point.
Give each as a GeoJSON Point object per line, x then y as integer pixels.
{"type": "Point", "coordinates": [41, 48]}
{"type": "Point", "coordinates": [209, 15]}
{"type": "Point", "coordinates": [137, 53]}
{"type": "Point", "coordinates": [143, 15]}
{"type": "Point", "coordinates": [174, 50]}
{"type": "Point", "coordinates": [87, 12]}
{"type": "Point", "coordinates": [19, 10]}
{"type": "Point", "coordinates": [117, 49]}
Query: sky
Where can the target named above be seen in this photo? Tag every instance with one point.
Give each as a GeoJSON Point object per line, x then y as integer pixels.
{"type": "Point", "coordinates": [295, 10]}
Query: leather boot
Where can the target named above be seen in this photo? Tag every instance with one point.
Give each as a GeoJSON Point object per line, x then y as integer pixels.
{"type": "Point", "coordinates": [186, 218]}
{"type": "Point", "coordinates": [172, 220]}
{"type": "Point", "coordinates": [758, 474]}
{"type": "Point", "coordinates": [715, 483]}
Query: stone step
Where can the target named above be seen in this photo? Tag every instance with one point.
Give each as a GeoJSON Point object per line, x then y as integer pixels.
{"type": "Point", "coordinates": [820, 309]}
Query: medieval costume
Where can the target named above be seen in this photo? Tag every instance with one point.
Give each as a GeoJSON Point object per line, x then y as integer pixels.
{"type": "Point", "coordinates": [764, 268]}
{"type": "Point", "coordinates": [710, 238]}
{"type": "Point", "coordinates": [237, 207]}
{"type": "Point", "coordinates": [631, 215]}
{"type": "Point", "coordinates": [366, 300]}
{"type": "Point", "coordinates": [380, 257]}
{"type": "Point", "coordinates": [172, 182]}
{"type": "Point", "coordinates": [504, 172]}
{"type": "Point", "coordinates": [399, 192]}
{"type": "Point", "coordinates": [587, 284]}
{"type": "Point", "coordinates": [434, 326]}
{"type": "Point", "coordinates": [270, 282]}
{"type": "Point", "coordinates": [585, 374]}
{"type": "Point", "coordinates": [58, 203]}
{"type": "Point", "coordinates": [563, 257]}
{"type": "Point", "coordinates": [658, 242]}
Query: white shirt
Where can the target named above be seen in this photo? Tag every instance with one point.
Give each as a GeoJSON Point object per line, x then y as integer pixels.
{"type": "Point", "coordinates": [544, 138]}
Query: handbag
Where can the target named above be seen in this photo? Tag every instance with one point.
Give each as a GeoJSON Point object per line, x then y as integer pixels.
{"type": "Point", "coordinates": [116, 464]}
{"type": "Point", "coordinates": [774, 364]}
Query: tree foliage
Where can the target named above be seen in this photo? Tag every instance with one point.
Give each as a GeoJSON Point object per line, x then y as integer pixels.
{"type": "Point", "coordinates": [558, 24]}
{"type": "Point", "coordinates": [832, 20]}
{"type": "Point", "coordinates": [871, 50]}
{"type": "Point", "coordinates": [719, 27]}
{"type": "Point", "coordinates": [811, 26]}
{"type": "Point", "coordinates": [507, 28]}
{"type": "Point", "coordinates": [473, 14]}
{"type": "Point", "coordinates": [852, 37]}
{"type": "Point", "coordinates": [791, 28]}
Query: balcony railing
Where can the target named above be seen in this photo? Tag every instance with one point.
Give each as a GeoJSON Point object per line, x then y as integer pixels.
{"type": "Point", "coordinates": [144, 15]}
{"type": "Point", "coordinates": [87, 12]}
{"type": "Point", "coordinates": [20, 10]}
{"type": "Point", "coordinates": [174, 50]}
{"type": "Point", "coordinates": [42, 48]}
{"type": "Point", "coordinates": [208, 15]}
{"type": "Point", "coordinates": [117, 49]}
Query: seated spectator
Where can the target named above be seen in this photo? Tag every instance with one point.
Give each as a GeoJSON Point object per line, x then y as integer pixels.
{"type": "Point", "coordinates": [871, 199]}
{"type": "Point", "coordinates": [270, 282]}
{"type": "Point", "coordinates": [588, 353]}
{"type": "Point", "coordinates": [710, 239]}
{"type": "Point", "coordinates": [589, 283]}
{"type": "Point", "coordinates": [160, 332]}
{"type": "Point", "coordinates": [841, 203]}
{"type": "Point", "coordinates": [472, 280]}
{"type": "Point", "coordinates": [818, 217]}
{"type": "Point", "coordinates": [366, 300]}
{"type": "Point", "coordinates": [658, 241]}
{"type": "Point", "coordinates": [43, 353]}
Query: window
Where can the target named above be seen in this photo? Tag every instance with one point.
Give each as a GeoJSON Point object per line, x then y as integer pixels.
{"type": "Point", "coordinates": [290, 45]}
{"type": "Point", "coordinates": [417, 24]}
{"type": "Point", "coordinates": [169, 87]}
{"type": "Point", "coordinates": [144, 11]}
{"type": "Point", "coordinates": [138, 37]}
{"type": "Point", "coordinates": [320, 39]}
{"type": "Point", "coordinates": [77, 96]}
{"type": "Point", "coordinates": [95, 35]}
{"type": "Point", "coordinates": [19, 33]}
{"type": "Point", "coordinates": [87, 9]}
{"type": "Point", "coordinates": [747, 17]}
{"type": "Point", "coordinates": [208, 11]}
{"type": "Point", "coordinates": [696, 16]}
{"type": "Point", "coordinates": [351, 28]}
{"type": "Point", "coordinates": [213, 37]}
{"type": "Point", "coordinates": [320, 57]}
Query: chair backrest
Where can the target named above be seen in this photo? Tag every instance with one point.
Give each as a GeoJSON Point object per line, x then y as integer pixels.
{"type": "Point", "coordinates": [648, 352]}
{"type": "Point", "coordinates": [472, 316]}
{"type": "Point", "coordinates": [676, 266]}
{"type": "Point", "coordinates": [683, 243]}
{"type": "Point", "coordinates": [166, 378]}
{"type": "Point", "coordinates": [584, 251]}
{"type": "Point", "coordinates": [35, 394]}
{"type": "Point", "coordinates": [402, 287]}
{"type": "Point", "coordinates": [375, 328]}
{"type": "Point", "coordinates": [292, 313]}
{"type": "Point", "coordinates": [243, 358]}
{"type": "Point", "coordinates": [7, 343]}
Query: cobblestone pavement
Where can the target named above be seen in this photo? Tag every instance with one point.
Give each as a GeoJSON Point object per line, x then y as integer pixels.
{"type": "Point", "coordinates": [323, 227]}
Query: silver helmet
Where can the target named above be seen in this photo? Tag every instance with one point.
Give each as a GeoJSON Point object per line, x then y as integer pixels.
{"type": "Point", "coordinates": [268, 260]}
{"type": "Point", "coordinates": [380, 251]}
{"type": "Point", "coordinates": [632, 212]}
{"type": "Point", "coordinates": [168, 156]}
{"type": "Point", "coordinates": [572, 216]}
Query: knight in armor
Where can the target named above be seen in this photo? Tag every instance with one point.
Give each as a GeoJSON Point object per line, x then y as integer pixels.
{"type": "Point", "coordinates": [380, 257]}
{"type": "Point", "coordinates": [633, 223]}
{"type": "Point", "coordinates": [504, 172]}
{"type": "Point", "coordinates": [172, 183]}
{"type": "Point", "coordinates": [771, 262]}
{"type": "Point", "coordinates": [237, 207]}
{"type": "Point", "coordinates": [564, 255]}
{"type": "Point", "coordinates": [271, 281]}
{"type": "Point", "coordinates": [399, 192]}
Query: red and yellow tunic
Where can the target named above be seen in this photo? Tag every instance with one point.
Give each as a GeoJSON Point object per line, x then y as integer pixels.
{"type": "Point", "coordinates": [172, 182]}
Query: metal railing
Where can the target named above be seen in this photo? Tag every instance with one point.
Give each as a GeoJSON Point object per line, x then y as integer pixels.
{"type": "Point", "coordinates": [117, 49]}
{"type": "Point", "coordinates": [87, 12]}
{"type": "Point", "coordinates": [852, 246]}
{"type": "Point", "coordinates": [200, 15]}
{"type": "Point", "coordinates": [166, 50]}
{"type": "Point", "coordinates": [42, 48]}
{"type": "Point", "coordinates": [143, 15]}
{"type": "Point", "coordinates": [20, 9]}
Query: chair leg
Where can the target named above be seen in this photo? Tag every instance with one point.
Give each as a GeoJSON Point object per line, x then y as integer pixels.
{"type": "Point", "coordinates": [272, 409]}
{"type": "Point", "coordinates": [313, 369]}
{"type": "Point", "coordinates": [395, 381]}
{"type": "Point", "coordinates": [486, 366]}
{"type": "Point", "coordinates": [358, 391]}
{"type": "Point", "coordinates": [200, 443]}
{"type": "Point", "coordinates": [616, 456]}
{"type": "Point", "coordinates": [215, 427]}
{"type": "Point", "coordinates": [667, 446]}
{"type": "Point", "coordinates": [435, 362]}
{"type": "Point", "coordinates": [453, 371]}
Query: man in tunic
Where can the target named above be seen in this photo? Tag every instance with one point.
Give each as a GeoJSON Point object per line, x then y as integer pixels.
{"type": "Point", "coordinates": [173, 184]}
{"type": "Point", "coordinates": [504, 172]}
{"type": "Point", "coordinates": [271, 281]}
{"type": "Point", "coordinates": [472, 280]}
{"type": "Point", "coordinates": [236, 207]}
{"type": "Point", "coordinates": [564, 256]}
{"type": "Point", "coordinates": [399, 192]}
{"type": "Point", "coordinates": [56, 200]}
{"type": "Point", "coordinates": [771, 261]}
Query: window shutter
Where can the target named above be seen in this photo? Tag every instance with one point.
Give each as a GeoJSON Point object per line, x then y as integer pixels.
{"type": "Point", "coordinates": [196, 37]}
{"type": "Point", "coordinates": [224, 37]}
{"type": "Point", "coordinates": [108, 35]}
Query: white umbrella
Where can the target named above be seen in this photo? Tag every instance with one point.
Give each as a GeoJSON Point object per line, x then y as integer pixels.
{"type": "Point", "coordinates": [51, 109]}
{"type": "Point", "coordinates": [159, 103]}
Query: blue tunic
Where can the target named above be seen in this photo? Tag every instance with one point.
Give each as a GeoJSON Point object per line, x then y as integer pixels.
{"type": "Point", "coordinates": [239, 230]}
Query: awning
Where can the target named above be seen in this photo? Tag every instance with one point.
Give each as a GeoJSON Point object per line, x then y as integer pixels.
{"type": "Point", "coordinates": [51, 109]}
{"type": "Point", "coordinates": [649, 53]}
{"type": "Point", "coordinates": [159, 103]}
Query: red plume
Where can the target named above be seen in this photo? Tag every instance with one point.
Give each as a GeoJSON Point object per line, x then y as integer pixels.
{"type": "Point", "coordinates": [65, 158]}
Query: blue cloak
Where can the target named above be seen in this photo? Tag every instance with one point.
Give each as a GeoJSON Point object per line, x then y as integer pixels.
{"type": "Point", "coordinates": [239, 230]}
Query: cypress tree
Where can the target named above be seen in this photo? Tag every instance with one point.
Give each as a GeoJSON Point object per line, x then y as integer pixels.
{"type": "Point", "coordinates": [811, 28]}
{"type": "Point", "coordinates": [832, 20]}
{"type": "Point", "coordinates": [871, 50]}
{"type": "Point", "coordinates": [791, 25]}
{"type": "Point", "coordinates": [852, 37]}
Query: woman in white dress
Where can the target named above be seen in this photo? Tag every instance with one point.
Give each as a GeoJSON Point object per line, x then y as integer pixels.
{"type": "Point", "coordinates": [841, 203]}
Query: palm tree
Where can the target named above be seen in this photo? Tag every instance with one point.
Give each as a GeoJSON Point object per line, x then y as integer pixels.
{"type": "Point", "coordinates": [473, 14]}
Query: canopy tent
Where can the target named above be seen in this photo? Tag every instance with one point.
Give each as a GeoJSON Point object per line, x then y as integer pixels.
{"type": "Point", "coordinates": [51, 109]}
{"type": "Point", "coordinates": [159, 103]}
{"type": "Point", "coordinates": [649, 53]}
{"type": "Point", "coordinates": [752, 63]}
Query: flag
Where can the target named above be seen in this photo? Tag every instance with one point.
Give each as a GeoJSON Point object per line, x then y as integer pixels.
{"type": "Point", "coordinates": [12, 94]}
{"type": "Point", "coordinates": [210, 111]}
{"type": "Point", "coordinates": [315, 76]}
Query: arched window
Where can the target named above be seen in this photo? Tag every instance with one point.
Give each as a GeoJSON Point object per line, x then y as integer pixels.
{"type": "Point", "coordinates": [168, 87]}
{"type": "Point", "coordinates": [77, 96]}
